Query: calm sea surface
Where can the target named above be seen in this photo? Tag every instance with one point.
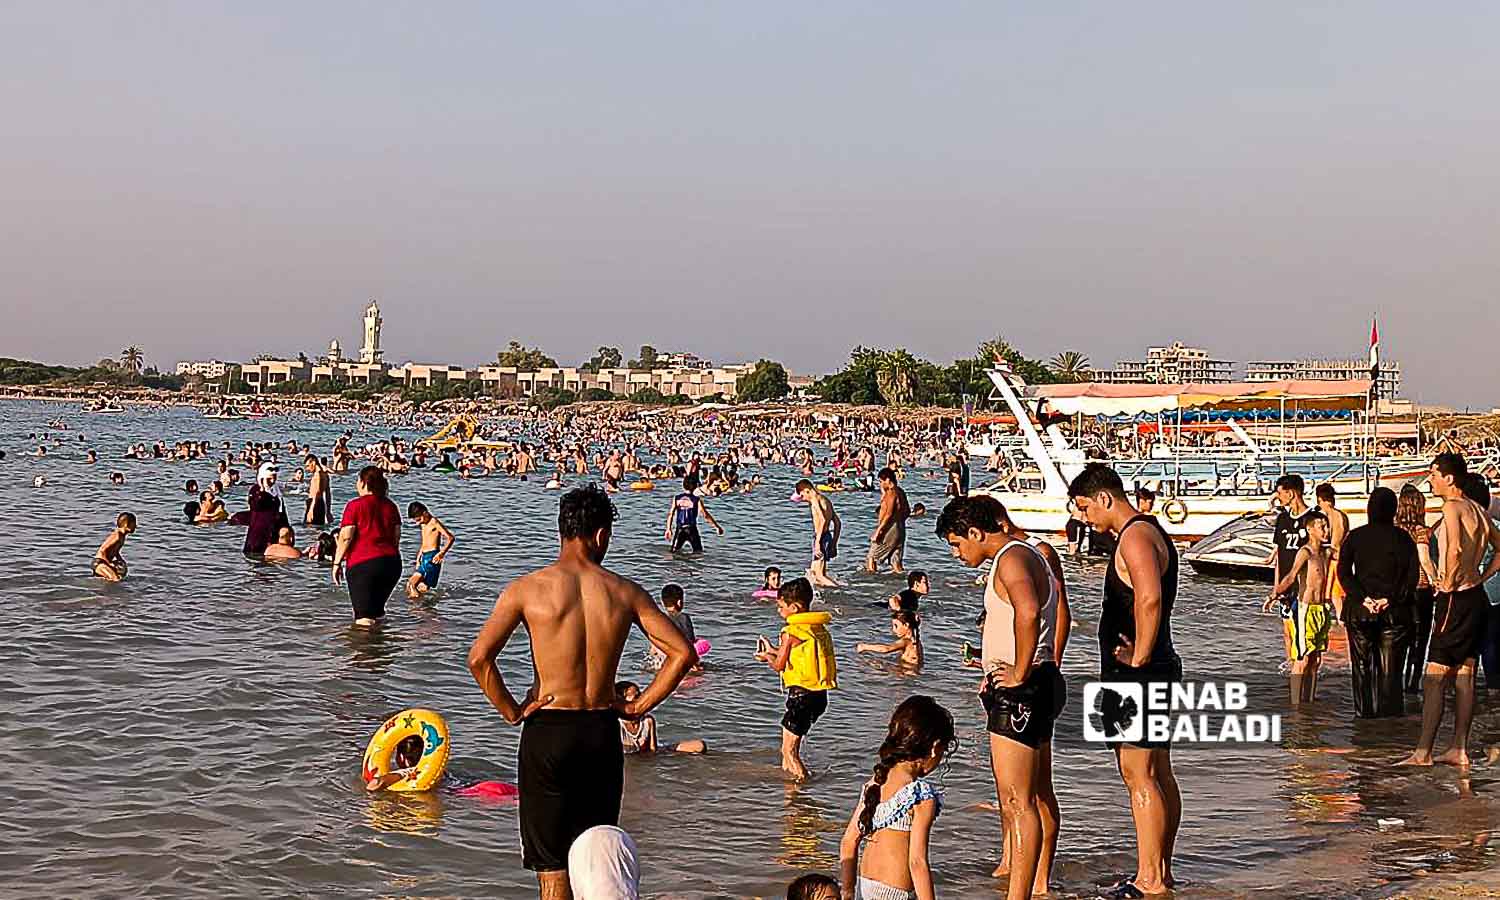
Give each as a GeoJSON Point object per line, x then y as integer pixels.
{"type": "Point", "coordinates": [196, 731]}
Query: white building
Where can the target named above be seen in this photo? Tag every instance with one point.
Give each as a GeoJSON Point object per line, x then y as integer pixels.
{"type": "Point", "coordinates": [208, 368]}
{"type": "Point", "coordinates": [1175, 364]}
{"type": "Point", "coordinates": [1327, 370]}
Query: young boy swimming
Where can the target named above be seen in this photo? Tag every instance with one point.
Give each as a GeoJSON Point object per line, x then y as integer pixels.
{"type": "Point", "coordinates": [437, 540]}
{"type": "Point", "coordinates": [639, 737]}
{"type": "Point", "coordinates": [108, 563]}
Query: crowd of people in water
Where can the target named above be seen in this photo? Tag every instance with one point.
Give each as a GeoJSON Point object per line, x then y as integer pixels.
{"type": "Point", "coordinates": [1410, 591]}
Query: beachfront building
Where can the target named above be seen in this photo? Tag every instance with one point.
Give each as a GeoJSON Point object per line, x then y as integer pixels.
{"type": "Point", "coordinates": [207, 368]}
{"type": "Point", "coordinates": [422, 375]}
{"type": "Point", "coordinates": [684, 360]}
{"type": "Point", "coordinates": [1327, 370]}
{"type": "Point", "coordinates": [1174, 364]}
{"type": "Point", "coordinates": [268, 373]}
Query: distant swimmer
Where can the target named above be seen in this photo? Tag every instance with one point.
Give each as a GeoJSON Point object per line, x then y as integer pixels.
{"type": "Point", "coordinates": [682, 518]}
{"type": "Point", "coordinates": [826, 528]}
{"type": "Point", "coordinates": [437, 541]}
{"type": "Point", "coordinates": [319, 494]}
{"type": "Point", "coordinates": [1461, 609]}
{"type": "Point", "coordinates": [108, 563]}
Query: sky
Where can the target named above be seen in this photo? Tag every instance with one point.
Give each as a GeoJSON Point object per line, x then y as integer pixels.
{"type": "Point", "coordinates": [747, 180]}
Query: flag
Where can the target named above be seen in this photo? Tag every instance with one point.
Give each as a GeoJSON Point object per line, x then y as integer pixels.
{"type": "Point", "coordinates": [1375, 356]}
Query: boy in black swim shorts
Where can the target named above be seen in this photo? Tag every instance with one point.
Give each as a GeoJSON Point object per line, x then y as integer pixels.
{"type": "Point", "coordinates": [804, 657]}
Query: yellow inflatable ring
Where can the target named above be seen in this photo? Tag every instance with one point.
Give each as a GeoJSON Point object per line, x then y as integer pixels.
{"type": "Point", "coordinates": [1174, 511]}
{"type": "Point", "coordinates": [419, 723]}
{"type": "Point", "coordinates": [829, 488]}
{"type": "Point", "coordinates": [642, 485]}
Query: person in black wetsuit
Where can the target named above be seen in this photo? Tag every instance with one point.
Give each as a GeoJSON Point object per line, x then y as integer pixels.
{"type": "Point", "coordinates": [1135, 644]}
{"type": "Point", "coordinates": [682, 518]}
{"type": "Point", "coordinates": [1379, 569]}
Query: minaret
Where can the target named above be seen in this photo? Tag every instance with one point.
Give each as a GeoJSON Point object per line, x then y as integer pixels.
{"type": "Point", "coordinates": [335, 353]}
{"type": "Point", "coordinates": [370, 353]}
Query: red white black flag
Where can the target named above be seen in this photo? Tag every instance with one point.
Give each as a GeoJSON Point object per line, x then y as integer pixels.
{"type": "Point", "coordinates": [1375, 355]}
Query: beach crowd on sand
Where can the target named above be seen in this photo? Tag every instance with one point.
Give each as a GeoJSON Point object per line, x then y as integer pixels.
{"type": "Point", "coordinates": [1410, 593]}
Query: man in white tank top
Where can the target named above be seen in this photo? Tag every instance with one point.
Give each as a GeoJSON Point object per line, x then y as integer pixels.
{"type": "Point", "coordinates": [1023, 691]}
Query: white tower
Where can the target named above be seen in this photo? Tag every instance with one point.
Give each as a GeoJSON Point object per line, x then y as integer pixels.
{"type": "Point", "coordinates": [335, 352]}
{"type": "Point", "coordinates": [370, 353]}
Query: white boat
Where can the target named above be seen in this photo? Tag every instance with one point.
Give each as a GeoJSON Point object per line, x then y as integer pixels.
{"type": "Point", "coordinates": [1198, 493]}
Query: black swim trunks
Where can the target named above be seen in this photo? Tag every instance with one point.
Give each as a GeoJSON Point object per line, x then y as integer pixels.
{"type": "Point", "coordinates": [1027, 712]}
{"type": "Point", "coordinates": [687, 534]}
{"type": "Point", "coordinates": [803, 708]}
{"type": "Point", "coordinates": [828, 546]}
{"type": "Point", "coordinates": [571, 771]}
{"type": "Point", "coordinates": [1164, 672]}
{"type": "Point", "coordinates": [1459, 621]}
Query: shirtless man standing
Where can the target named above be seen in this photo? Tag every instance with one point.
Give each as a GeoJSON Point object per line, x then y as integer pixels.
{"type": "Point", "coordinates": [826, 528]}
{"type": "Point", "coordinates": [318, 493]}
{"type": "Point", "coordinates": [1338, 529]}
{"type": "Point", "coordinates": [1459, 612]}
{"type": "Point", "coordinates": [889, 540]}
{"type": "Point", "coordinates": [577, 616]}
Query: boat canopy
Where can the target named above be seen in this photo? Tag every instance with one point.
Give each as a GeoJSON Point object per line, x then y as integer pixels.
{"type": "Point", "coordinates": [1094, 399]}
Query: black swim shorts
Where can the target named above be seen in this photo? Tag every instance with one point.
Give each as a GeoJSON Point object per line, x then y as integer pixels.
{"type": "Point", "coordinates": [1166, 672]}
{"type": "Point", "coordinates": [1459, 621]}
{"type": "Point", "coordinates": [1026, 713]}
{"type": "Point", "coordinates": [571, 771]}
{"type": "Point", "coordinates": [803, 708]}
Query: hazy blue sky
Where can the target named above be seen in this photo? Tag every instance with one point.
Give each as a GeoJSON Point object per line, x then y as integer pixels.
{"type": "Point", "coordinates": [754, 179]}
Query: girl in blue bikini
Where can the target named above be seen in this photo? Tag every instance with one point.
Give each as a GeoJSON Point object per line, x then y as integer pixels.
{"type": "Point", "coordinates": [895, 817]}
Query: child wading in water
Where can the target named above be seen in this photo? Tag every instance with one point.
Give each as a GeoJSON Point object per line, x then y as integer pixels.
{"type": "Point", "coordinates": [1308, 623]}
{"type": "Point", "coordinates": [108, 563]}
{"type": "Point", "coordinates": [437, 540]}
{"type": "Point", "coordinates": [908, 640]}
{"type": "Point", "coordinates": [894, 820]}
{"type": "Point", "coordinates": [640, 736]}
{"type": "Point", "coordinates": [805, 659]}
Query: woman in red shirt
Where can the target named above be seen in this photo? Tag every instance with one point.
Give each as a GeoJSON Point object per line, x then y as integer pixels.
{"type": "Point", "coordinates": [370, 545]}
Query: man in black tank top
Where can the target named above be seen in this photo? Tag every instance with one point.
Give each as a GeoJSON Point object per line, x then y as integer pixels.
{"type": "Point", "coordinates": [1135, 644]}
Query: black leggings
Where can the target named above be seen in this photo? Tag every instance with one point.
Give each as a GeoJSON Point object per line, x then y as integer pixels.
{"type": "Point", "coordinates": [371, 583]}
{"type": "Point", "coordinates": [1416, 658]}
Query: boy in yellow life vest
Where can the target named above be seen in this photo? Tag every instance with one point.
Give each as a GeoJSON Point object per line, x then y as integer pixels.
{"type": "Point", "coordinates": [804, 657]}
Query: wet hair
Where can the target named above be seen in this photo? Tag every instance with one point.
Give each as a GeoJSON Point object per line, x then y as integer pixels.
{"type": "Point", "coordinates": [917, 725]}
{"type": "Point", "coordinates": [1097, 478]}
{"type": "Point", "coordinates": [914, 576]}
{"type": "Point", "coordinates": [1411, 507]}
{"type": "Point", "coordinates": [1292, 482]}
{"type": "Point", "coordinates": [408, 752]}
{"type": "Point", "coordinates": [1452, 465]}
{"type": "Point", "coordinates": [1144, 494]}
{"type": "Point", "coordinates": [908, 618]}
{"type": "Point", "coordinates": [690, 483]}
{"type": "Point", "coordinates": [374, 481]}
{"type": "Point", "coordinates": [766, 578]}
{"type": "Point", "coordinates": [124, 519]}
{"type": "Point", "coordinates": [1381, 509]}
{"type": "Point", "coordinates": [978, 511]}
{"type": "Point", "coordinates": [671, 595]}
{"type": "Point", "coordinates": [190, 510]}
{"type": "Point", "coordinates": [622, 686]}
{"type": "Point", "coordinates": [584, 511]}
{"type": "Point", "coordinates": [811, 886]}
{"type": "Point", "coordinates": [887, 474]}
{"type": "Point", "coordinates": [1476, 488]}
{"type": "Point", "coordinates": [1326, 492]}
{"type": "Point", "coordinates": [286, 530]}
{"type": "Point", "coordinates": [797, 592]}
{"type": "Point", "coordinates": [191, 487]}
{"type": "Point", "coordinates": [803, 485]}
{"type": "Point", "coordinates": [328, 545]}
{"type": "Point", "coordinates": [415, 509]}
{"type": "Point", "coordinates": [1314, 516]}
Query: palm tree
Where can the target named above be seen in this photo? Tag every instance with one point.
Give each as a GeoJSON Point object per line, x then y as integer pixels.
{"type": "Point", "coordinates": [895, 378]}
{"type": "Point", "coordinates": [132, 359]}
{"type": "Point", "coordinates": [1070, 365]}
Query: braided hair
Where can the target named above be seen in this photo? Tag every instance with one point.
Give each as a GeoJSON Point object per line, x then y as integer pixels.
{"type": "Point", "coordinates": [918, 724]}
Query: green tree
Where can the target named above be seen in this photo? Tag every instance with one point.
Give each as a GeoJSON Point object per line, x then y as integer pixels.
{"type": "Point", "coordinates": [648, 396]}
{"type": "Point", "coordinates": [767, 381]}
{"type": "Point", "coordinates": [552, 398]}
{"type": "Point", "coordinates": [595, 395]}
{"type": "Point", "coordinates": [524, 359]}
{"type": "Point", "coordinates": [1070, 365]}
{"type": "Point", "coordinates": [606, 358]}
{"type": "Point", "coordinates": [132, 359]}
{"type": "Point", "coordinates": [647, 360]}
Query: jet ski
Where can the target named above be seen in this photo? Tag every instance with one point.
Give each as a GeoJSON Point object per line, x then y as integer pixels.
{"type": "Point", "coordinates": [1238, 549]}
